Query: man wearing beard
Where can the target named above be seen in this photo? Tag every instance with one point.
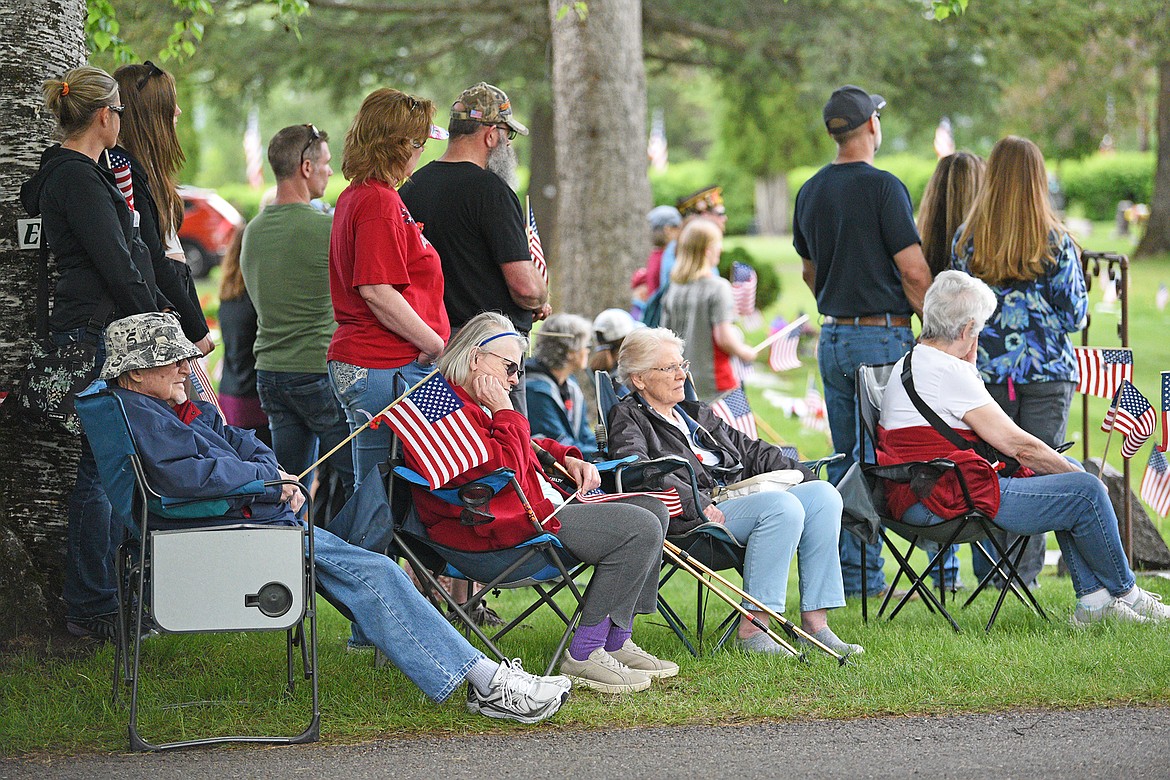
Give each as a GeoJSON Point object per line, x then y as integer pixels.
{"type": "Point", "coordinates": [466, 204]}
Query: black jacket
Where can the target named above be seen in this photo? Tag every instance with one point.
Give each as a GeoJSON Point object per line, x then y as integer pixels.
{"type": "Point", "coordinates": [636, 429]}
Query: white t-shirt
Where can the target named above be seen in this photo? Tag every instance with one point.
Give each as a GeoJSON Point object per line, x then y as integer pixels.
{"type": "Point", "coordinates": [706, 457]}
{"type": "Point", "coordinates": [947, 384]}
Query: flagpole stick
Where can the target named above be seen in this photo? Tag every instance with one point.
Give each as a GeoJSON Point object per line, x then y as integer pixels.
{"type": "Point", "coordinates": [365, 425]}
{"type": "Point", "coordinates": [781, 333]}
{"type": "Point", "coordinates": [768, 429]}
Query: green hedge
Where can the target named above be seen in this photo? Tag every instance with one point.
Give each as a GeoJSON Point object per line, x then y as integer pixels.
{"type": "Point", "coordinates": [683, 178]}
{"type": "Point", "coordinates": [1097, 183]}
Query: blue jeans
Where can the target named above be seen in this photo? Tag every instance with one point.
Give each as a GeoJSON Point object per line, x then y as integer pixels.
{"type": "Point", "coordinates": [364, 392]}
{"type": "Point", "coordinates": [841, 350]}
{"type": "Point", "coordinates": [305, 418]}
{"type": "Point", "coordinates": [1076, 506]}
{"type": "Point", "coordinates": [804, 521]}
{"type": "Point", "coordinates": [92, 535]}
{"type": "Point", "coordinates": [389, 610]}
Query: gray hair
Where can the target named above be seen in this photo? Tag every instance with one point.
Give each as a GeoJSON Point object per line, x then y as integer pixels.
{"type": "Point", "coordinates": [560, 336]}
{"type": "Point", "coordinates": [640, 350]}
{"type": "Point", "coordinates": [455, 363]}
{"type": "Point", "coordinates": [954, 300]}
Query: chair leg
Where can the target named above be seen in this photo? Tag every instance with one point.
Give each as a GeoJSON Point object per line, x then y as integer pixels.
{"type": "Point", "coordinates": [864, 585]}
{"type": "Point", "coordinates": [671, 618]}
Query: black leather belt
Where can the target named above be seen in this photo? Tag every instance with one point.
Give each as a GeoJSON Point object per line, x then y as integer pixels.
{"type": "Point", "coordinates": [883, 320]}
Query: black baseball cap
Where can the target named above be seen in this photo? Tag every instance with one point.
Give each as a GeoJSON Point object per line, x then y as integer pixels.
{"type": "Point", "coordinates": [850, 107]}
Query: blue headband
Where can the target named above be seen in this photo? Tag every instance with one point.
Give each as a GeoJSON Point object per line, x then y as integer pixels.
{"type": "Point", "coordinates": [490, 339]}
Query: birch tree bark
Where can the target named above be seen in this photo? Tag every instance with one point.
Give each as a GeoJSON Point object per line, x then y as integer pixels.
{"type": "Point", "coordinates": [38, 39]}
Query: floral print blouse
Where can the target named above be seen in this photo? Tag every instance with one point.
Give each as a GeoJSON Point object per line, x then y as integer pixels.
{"type": "Point", "coordinates": [1026, 339]}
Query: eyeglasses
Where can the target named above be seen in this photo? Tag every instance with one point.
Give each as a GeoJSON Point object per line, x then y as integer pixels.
{"type": "Point", "coordinates": [117, 109]}
{"type": "Point", "coordinates": [314, 136]}
{"type": "Point", "coordinates": [673, 368]}
{"type": "Point", "coordinates": [153, 70]}
{"type": "Point", "coordinates": [508, 131]}
{"type": "Point", "coordinates": [510, 366]}
{"type": "Point", "coordinates": [878, 114]}
{"type": "Point", "coordinates": [419, 144]}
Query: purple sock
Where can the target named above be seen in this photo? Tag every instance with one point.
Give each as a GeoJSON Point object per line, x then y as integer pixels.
{"type": "Point", "coordinates": [586, 639]}
{"type": "Point", "coordinates": [617, 636]}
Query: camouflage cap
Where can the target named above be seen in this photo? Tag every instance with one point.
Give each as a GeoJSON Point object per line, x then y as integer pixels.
{"type": "Point", "coordinates": [706, 199]}
{"type": "Point", "coordinates": [145, 341]}
{"type": "Point", "coordinates": [487, 105]}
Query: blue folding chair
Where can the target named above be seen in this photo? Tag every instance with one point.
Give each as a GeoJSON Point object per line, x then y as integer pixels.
{"type": "Point", "coordinates": [184, 568]}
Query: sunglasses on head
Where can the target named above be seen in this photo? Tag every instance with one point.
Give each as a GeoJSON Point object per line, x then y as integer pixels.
{"type": "Point", "coordinates": [152, 71]}
{"type": "Point", "coordinates": [314, 136]}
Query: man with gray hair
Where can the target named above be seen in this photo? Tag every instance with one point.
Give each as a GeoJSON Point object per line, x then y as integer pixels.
{"type": "Point", "coordinates": [285, 262]}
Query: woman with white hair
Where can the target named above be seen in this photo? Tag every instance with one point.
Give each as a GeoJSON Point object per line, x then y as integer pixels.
{"type": "Point", "coordinates": [556, 405]}
{"type": "Point", "coordinates": [621, 540]}
{"type": "Point", "coordinates": [1049, 492]}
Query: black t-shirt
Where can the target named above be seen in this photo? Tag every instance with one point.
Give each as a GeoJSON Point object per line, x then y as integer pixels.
{"type": "Point", "coordinates": [475, 222]}
{"type": "Point", "coordinates": [850, 221]}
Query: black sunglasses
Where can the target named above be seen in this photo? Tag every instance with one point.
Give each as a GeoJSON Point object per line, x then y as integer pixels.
{"type": "Point", "coordinates": [153, 70]}
{"type": "Point", "coordinates": [314, 136]}
{"type": "Point", "coordinates": [511, 368]}
{"type": "Point", "coordinates": [507, 129]}
{"type": "Point", "coordinates": [117, 109]}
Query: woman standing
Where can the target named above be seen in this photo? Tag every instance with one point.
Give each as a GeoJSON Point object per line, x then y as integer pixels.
{"type": "Point", "coordinates": [238, 324]}
{"type": "Point", "coordinates": [385, 278]}
{"type": "Point", "coordinates": [699, 307]}
{"type": "Point", "coordinates": [1014, 241]}
{"type": "Point", "coordinates": [945, 203]}
{"type": "Point", "coordinates": [105, 272]}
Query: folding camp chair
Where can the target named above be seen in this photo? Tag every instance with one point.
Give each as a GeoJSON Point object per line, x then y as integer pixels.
{"type": "Point", "coordinates": [183, 568]}
{"type": "Point", "coordinates": [972, 526]}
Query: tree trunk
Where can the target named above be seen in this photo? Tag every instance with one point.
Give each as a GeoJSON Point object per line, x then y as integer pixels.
{"type": "Point", "coordinates": [772, 204]}
{"type": "Point", "coordinates": [38, 39]}
{"type": "Point", "coordinates": [542, 187]}
{"type": "Point", "coordinates": [603, 192]}
{"type": "Point", "coordinates": [1157, 236]}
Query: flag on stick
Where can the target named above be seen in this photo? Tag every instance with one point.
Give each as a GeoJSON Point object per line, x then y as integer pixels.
{"type": "Point", "coordinates": [534, 247]}
{"type": "Point", "coordinates": [815, 416]}
{"type": "Point", "coordinates": [1132, 416]}
{"type": "Point", "coordinates": [668, 497]}
{"type": "Point", "coordinates": [202, 385]}
{"type": "Point", "coordinates": [1155, 489]}
{"type": "Point", "coordinates": [1165, 410]}
{"type": "Point", "coordinates": [656, 147]}
{"type": "Point", "coordinates": [1103, 370]}
{"type": "Point", "coordinates": [434, 427]}
{"type": "Point", "coordinates": [782, 356]}
{"type": "Point", "coordinates": [743, 288]}
{"type": "Point", "coordinates": [120, 167]}
{"type": "Point", "coordinates": [733, 408]}
{"type": "Point", "coordinates": [253, 168]}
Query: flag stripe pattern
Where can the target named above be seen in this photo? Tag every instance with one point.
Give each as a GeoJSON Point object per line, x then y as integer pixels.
{"type": "Point", "coordinates": [733, 408]}
{"type": "Point", "coordinates": [202, 384]}
{"type": "Point", "coordinates": [1103, 370]}
{"type": "Point", "coordinates": [534, 247]}
{"type": "Point", "coordinates": [120, 167]}
{"type": "Point", "coordinates": [1165, 409]}
{"type": "Point", "coordinates": [815, 415]}
{"type": "Point", "coordinates": [783, 357]}
{"type": "Point", "coordinates": [1155, 489]}
{"type": "Point", "coordinates": [1132, 416]}
{"type": "Point", "coordinates": [668, 497]}
{"type": "Point", "coordinates": [743, 288]}
{"type": "Point", "coordinates": [434, 428]}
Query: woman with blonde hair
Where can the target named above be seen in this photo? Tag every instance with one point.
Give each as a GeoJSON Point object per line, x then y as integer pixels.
{"type": "Point", "coordinates": [699, 307]}
{"type": "Point", "coordinates": [1014, 241]}
{"type": "Point", "coordinates": [945, 203]}
{"type": "Point", "coordinates": [384, 277]}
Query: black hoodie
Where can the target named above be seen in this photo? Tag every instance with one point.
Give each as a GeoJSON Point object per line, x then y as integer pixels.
{"type": "Point", "coordinates": [91, 231]}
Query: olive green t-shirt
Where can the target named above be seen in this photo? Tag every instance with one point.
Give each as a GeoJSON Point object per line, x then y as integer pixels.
{"type": "Point", "coordinates": [285, 261]}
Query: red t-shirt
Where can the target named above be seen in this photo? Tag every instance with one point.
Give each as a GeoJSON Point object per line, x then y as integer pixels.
{"type": "Point", "coordinates": [376, 241]}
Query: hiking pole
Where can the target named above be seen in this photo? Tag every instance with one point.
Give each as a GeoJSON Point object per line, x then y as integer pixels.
{"type": "Point", "coordinates": [783, 621]}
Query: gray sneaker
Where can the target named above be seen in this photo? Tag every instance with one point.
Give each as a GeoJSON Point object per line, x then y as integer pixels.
{"type": "Point", "coordinates": [640, 661]}
{"type": "Point", "coordinates": [1150, 606]}
{"type": "Point", "coordinates": [830, 640]}
{"type": "Point", "coordinates": [517, 695]}
{"type": "Point", "coordinates": [762, 643]}
{"type": "Point", "coordinates": [602, 672]}
{"type": "Point", "coordinates": [1115, 610]}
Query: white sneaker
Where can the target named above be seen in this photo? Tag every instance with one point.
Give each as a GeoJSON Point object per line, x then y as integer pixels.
{"type": "Point", "coordinates": [629, 654]}
{"type": "Point", "coordinates": [1115, 610]}
{"type": "Point", "coordinates": [1150, 606]}
{"type": "Point", "coordinates": [517, 695]}
{"type": "Point", "coordinates": [602, 672]}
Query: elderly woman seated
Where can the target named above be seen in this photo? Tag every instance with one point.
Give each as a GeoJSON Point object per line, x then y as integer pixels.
{"type": "Point", "coordinates": [188, 452]}
{"type": "Point", "coordinates": [621, 540]}
{"type": "Point", "coordinates": [556, 405]}
{"type": "Point", "coordinates": [1051, 492]}
{"type": "Point", "coordinates": [654, 420]}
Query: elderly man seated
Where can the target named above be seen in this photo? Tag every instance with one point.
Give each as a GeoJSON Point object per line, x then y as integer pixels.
{"type": "Point", "coordinates": [188, 452]}
{"type": "Point", "coordinates": [1050, 492]}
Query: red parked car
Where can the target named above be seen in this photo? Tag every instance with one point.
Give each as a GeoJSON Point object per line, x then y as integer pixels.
{"type": "Point", "coordinates": [209, 224]}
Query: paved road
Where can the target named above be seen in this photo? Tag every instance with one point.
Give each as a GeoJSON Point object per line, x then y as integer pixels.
{"type": "Point", "coordinates": [1109, 743]}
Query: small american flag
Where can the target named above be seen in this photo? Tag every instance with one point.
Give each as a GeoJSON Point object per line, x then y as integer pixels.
{"type": "Point", "coordinates": [742, 370]}
{"type": "Point", "coordinates": [668, 497]}
{"type": "Point", "coordinates": [1165, 410]}
{"type": "Point", "coordinates": [120, 167]}
{"type": "Point", "coordinates": [815, 417]}
{"type": "Point", "coordinates": [1103, 370]}
{"type": "Point", "coordinates": [1132, 416]}
{"type": "Point", "coordinates": [743, 288]}
{"type": "Point", "coordinates": [733, 409]}
{"type": "Point", "coordinates": [534, 247]}
{"type": "Point", "coordinates": [435, 430]}
{"type": "Point", "coordinates": [788, 451]}
{"type": "Point", "coordinates": [783, 357]}
{"type": "Point", "coordinates": [202, 384]}
{"type": "Point", "coordinates": [1155, 489]}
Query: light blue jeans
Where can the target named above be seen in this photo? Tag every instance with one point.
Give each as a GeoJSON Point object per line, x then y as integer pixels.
{"type": "Point", "coordinates": [363, 392]}
{"type": "Point", "coordinates": [842, 348]}
{"type": "Point", "coordinates": [804, 521]}
{"type": "Point", "coordinates": [389, 610]}
{"type": "Point", "coordinates": [1076, 506]}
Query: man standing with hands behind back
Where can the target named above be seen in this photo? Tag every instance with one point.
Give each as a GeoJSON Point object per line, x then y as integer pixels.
{"type": "Point", "coordinates": [854, 228]}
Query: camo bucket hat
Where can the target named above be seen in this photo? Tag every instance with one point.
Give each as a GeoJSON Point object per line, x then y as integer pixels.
{"type": "Point", "coordinates": [487, 105]}
{"type": "Point", "coordinates": [145, 341]}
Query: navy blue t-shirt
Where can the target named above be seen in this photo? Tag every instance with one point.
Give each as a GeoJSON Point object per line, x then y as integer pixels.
{"type": "Point", "coordinates": [850, 221]}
